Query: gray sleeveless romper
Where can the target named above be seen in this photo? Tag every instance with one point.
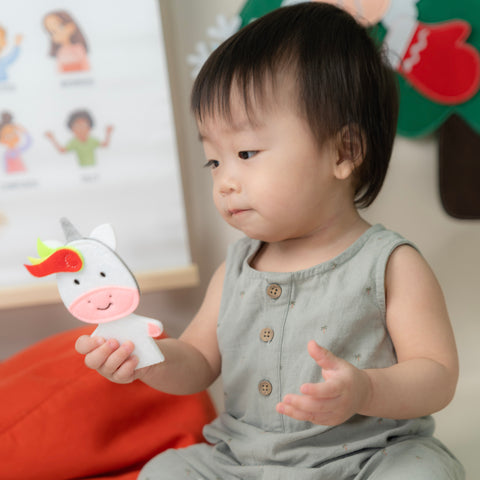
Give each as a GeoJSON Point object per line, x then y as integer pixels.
{"type": "Point", "coordinates": [266, 320]}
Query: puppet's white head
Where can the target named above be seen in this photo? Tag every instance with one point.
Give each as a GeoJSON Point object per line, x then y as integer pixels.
{"type": "Point", "coordinates": [93, 281]}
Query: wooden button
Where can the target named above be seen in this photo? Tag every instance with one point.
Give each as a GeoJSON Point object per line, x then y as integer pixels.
{"type": "Point", "coordinates": [265, 388]}
{"type": "Point", "coordinates": [274, 290]}
{"type": "Point", "coordinates": [266, 335]}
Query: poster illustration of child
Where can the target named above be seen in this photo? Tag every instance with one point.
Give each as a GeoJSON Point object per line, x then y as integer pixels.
{"type": "Point", "coordinates": [68, 44]}
{"type": "Point", "coordinates": [80, 122]}
{"type": "Point", "coordinates": [17, 140]}
{"type": "Point", "coordinates": [6, 59]}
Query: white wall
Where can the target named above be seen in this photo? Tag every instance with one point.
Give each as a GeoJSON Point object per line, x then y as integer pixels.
{"type": "Point", "coordinates": [408, 203]}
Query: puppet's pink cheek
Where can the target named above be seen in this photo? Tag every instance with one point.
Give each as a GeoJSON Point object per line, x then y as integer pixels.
{"type": "Point", "coordinates": [105, 304]}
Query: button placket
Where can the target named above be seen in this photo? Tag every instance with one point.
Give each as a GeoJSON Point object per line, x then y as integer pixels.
{"type": "Point", "coordinates": [277, 305]}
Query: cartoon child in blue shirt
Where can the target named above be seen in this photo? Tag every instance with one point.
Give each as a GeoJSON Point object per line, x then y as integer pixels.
{"type": "Point", "coordinates": [11, 56]}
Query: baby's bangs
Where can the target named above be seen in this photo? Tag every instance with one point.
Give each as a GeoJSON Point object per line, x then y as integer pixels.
{"type": "Point", "coordinates": [212, 94]}
{"type": "Point", "coordinates": [245, 64]}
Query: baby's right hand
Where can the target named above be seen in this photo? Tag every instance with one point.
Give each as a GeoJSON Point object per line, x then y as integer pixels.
{"type": "Point", "coordinates": [112, 360]}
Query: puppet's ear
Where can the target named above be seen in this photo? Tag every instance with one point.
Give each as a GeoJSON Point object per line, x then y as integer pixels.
{"type": "Point", "coordinates": [105, 234]}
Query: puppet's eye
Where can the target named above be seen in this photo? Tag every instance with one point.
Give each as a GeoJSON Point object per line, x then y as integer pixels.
{"type": "Point", "coordinates": [103, 274]}
{"type": "Point", "coordinates": [76, 281]}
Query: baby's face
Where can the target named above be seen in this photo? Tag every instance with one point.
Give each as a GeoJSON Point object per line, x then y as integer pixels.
{"type": "Point", "coordinates": [270, 178]}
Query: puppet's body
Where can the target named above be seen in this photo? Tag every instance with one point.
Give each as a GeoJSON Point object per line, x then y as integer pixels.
{"type": "Point", "coordinates": [97, 287]}
{"type": "Point", "coordinates": [138, 330]}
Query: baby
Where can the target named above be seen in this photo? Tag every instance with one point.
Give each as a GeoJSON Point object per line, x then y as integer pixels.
{"type": "Point", "coordinates": [331, 335]}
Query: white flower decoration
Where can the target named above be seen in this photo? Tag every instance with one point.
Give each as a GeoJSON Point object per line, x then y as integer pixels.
{"type": "Point", "coordinates": [224, 28]}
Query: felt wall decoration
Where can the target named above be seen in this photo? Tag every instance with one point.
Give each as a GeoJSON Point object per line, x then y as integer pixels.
{"type": "Point", "coordinates": [459, 169]}
{"type": "Point", "coordinates": [97, 287]}
{"type": "Point", "coordinates": [439, 79]}
{"type": "Point", "coordinates": [429, 56]}
{"type": "Point", "coordinates": [434, 44]}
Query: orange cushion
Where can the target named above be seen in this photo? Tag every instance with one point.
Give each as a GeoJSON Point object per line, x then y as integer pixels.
{"type": "Point", "coordinates": [61, 420]}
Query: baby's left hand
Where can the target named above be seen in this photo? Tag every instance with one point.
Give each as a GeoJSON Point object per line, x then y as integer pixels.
{"type": "Point", "coordinates": [344, 392]}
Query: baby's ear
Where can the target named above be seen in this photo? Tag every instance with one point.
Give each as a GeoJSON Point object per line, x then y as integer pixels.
{"type": "Point", "coordinates": [351, 149]}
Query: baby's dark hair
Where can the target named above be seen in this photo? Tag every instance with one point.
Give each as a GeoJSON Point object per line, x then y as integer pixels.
{"type": "Point", "coordinates": [74, 116]}
{"type": "Point", "coordinates": [341, 77]}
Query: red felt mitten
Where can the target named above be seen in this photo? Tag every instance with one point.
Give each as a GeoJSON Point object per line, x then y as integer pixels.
{"type": "Point", "coordinates": [440, 65]}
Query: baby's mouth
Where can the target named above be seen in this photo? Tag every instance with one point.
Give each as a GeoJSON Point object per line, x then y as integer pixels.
{"type": "Point", "coordinates": [238, 211]}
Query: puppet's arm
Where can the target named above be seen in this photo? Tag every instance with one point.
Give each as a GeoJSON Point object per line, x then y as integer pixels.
{"type": "Point", "coordinates": [155, 327]}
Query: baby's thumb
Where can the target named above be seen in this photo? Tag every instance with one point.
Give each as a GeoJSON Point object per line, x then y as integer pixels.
{"type": "Point", "coordinates": [323, 357]}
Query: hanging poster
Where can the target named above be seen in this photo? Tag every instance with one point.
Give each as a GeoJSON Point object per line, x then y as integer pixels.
{"type": "Point", "coordinates": [87, 132]}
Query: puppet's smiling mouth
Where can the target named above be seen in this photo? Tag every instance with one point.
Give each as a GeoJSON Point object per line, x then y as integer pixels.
{"type": "Point", "coordinates": [106, 308]}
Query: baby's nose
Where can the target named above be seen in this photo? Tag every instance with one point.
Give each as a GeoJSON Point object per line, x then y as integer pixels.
{"type": "Point", "coordinates": [229, 184]}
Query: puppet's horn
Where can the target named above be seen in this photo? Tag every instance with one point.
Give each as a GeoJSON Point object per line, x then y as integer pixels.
{"type": "Point", "coordinates": [71, 233]}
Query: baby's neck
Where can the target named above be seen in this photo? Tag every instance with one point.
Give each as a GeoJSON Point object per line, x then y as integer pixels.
{"type": "Point", "coordinates": [304, 252]}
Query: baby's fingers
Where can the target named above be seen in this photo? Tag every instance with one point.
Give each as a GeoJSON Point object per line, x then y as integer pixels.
{"type": "Point", "coordinates": [116, 359]}
{"type": "Point", "coordinates": [97, 357]}
{"type": "Point", "coordinates": [110, 359]}
{"type": "Point", "coordinates": [86, 344]}
{"type": "Point", "coordinates": [306, 403]}
{"type": "Point", "coordinates": [325, 390]}
{"type": "Point", "coordinates": [126, 372]}
{"type": "Point", "coordinates": [306, 409]}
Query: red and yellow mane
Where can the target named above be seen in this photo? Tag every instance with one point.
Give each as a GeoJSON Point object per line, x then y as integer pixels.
{"type": "Point", "coordinates": [54, 260]}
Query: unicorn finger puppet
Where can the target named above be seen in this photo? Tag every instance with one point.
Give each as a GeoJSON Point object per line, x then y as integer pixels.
{"type": "Point", "coordinates": [97, 287]}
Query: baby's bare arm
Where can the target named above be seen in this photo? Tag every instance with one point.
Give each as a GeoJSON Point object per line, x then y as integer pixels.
{"type": "Point", "coordinates": [191, 364]}
{"type": "Point", "coordinates": [425, 378]}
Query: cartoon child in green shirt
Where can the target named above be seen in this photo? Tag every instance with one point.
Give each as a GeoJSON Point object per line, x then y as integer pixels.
{"type": "Point", "coordinates": [80, 123]}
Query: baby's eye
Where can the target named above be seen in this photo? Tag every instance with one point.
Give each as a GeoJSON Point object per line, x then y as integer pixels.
{"type": "Point", "coordinates": [247, 154]}
{"type": "Point", "coordinates": [212, 164]}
